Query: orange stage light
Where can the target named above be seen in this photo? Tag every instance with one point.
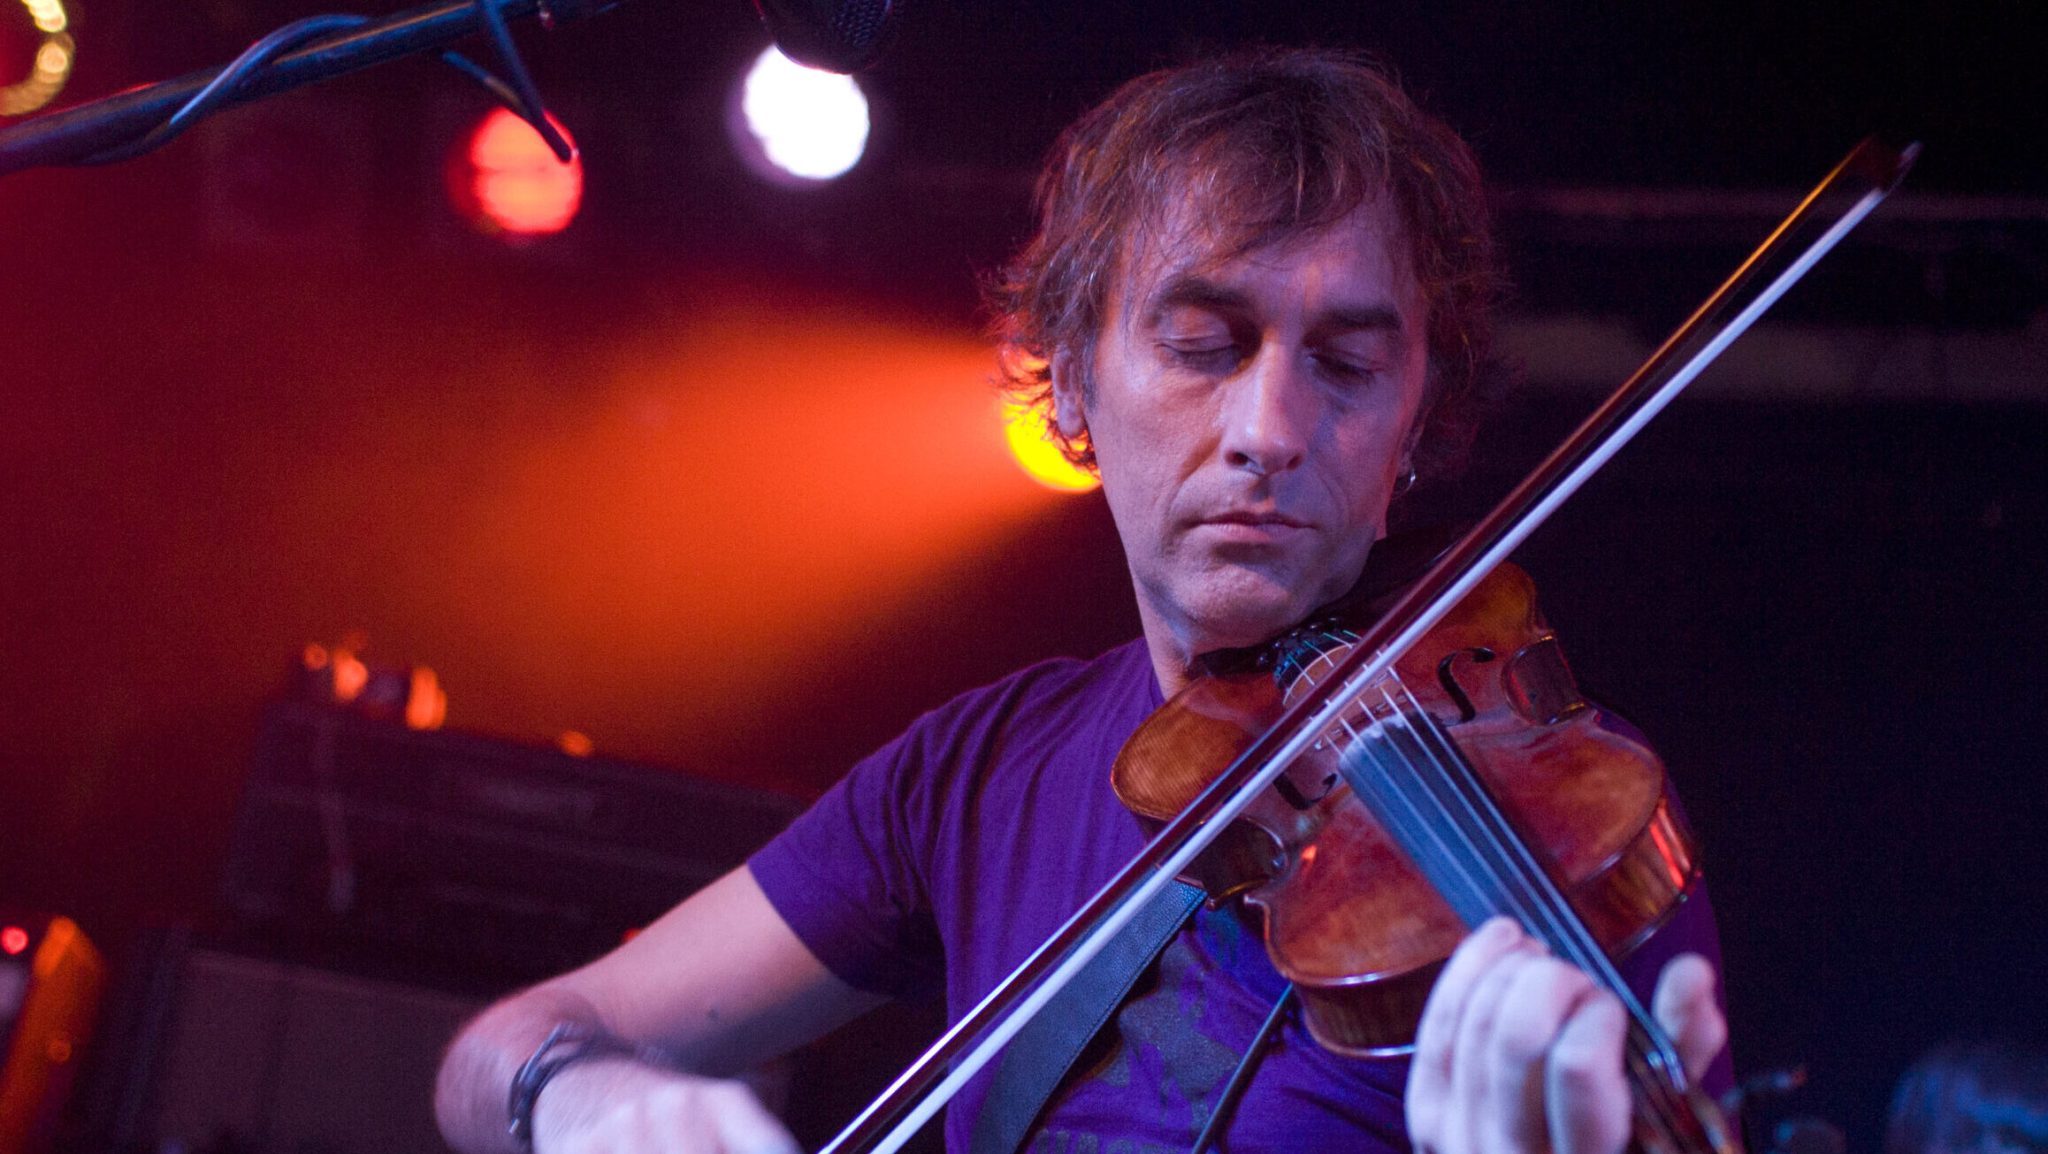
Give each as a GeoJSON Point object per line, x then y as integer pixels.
{"type": "Point", "coordinates": [350, 676]}
{"type": "Point", "coordinates": [426, 704]}
{"type": "Point", "coordinates": [739, 489]}
{"type": "Point", "coordinates": [510, 183]}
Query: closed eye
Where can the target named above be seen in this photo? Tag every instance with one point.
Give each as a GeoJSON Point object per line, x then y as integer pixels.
{"type": "Point", "coordinates": [1343, 369]}
{"type": "Point", "coordinates": [1203, 354]}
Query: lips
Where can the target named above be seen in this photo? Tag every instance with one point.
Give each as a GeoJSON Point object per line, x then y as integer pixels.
{"type": "Point", "coordinates": [1248, 528]}
{"type": "Point", "coordinates": [1256, 518]}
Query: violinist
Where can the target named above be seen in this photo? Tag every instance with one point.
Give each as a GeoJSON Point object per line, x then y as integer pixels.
{"type": "Point", "coordinates": [1257, 303]}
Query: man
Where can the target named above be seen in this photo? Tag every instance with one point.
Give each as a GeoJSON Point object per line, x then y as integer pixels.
{"type": "Point", "coordinates": [1257, 305]}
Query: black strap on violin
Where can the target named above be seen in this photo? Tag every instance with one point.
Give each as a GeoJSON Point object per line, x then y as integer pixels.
{"type": "Point", "coordinates": [1045, 1049]}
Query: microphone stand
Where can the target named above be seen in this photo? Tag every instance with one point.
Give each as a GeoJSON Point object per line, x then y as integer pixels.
{"type": "Point", "coordinates": [105, 129]}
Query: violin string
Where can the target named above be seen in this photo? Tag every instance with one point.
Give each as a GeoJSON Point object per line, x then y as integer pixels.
{"type": "Point", "coordinates": [1402, 739]}
{"type": "Point", "coordinates": [1411, 735]}
{"type": "Point", "coordinates": [1460, 793]}
{"type": "Point", "coordinates": [1518, 891]}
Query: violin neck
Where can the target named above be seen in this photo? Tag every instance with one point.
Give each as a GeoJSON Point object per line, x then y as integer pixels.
{"type": "Point", "coordinates": [1433, 804]}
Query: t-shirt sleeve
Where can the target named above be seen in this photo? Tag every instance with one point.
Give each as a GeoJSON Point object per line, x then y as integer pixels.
{"type": "Point", "coordinates": [848, 878]}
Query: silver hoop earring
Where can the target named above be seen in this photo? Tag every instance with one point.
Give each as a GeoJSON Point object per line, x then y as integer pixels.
{"type": "Point", "coordinates": [1405, 482]}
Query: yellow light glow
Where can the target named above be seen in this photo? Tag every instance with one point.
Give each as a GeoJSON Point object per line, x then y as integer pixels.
{"type": "Point", "coordinates": [1032, 445]}
{"type": "Point", "coordinates": [808, 123]}
{"type": "Point", "coordinates": [46, 79]}
{"type": "Point", "coordinates": [48, 15]}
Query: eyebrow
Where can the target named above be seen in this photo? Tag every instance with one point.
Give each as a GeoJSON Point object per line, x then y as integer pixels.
{"type": "Point", "coordinates": [1185, 289]}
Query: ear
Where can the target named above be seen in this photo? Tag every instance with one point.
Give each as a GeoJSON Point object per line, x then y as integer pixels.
{"type": "Point", "coordinates": [1069, 394]}
{"type": "Point", "coordinates": [1414, 438]}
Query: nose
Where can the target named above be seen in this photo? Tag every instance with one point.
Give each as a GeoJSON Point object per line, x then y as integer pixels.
{"type": "Point", "coordinates": [1267, 414]}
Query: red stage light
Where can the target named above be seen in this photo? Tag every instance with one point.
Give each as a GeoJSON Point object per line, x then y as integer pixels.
{"type": "Point", "coordinates": [13, 940]}
{"type": "Point", "coordinates": [508, 182]}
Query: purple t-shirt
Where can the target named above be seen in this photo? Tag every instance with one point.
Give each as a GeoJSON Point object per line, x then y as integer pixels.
{"type": "Point", "coordinates": [948, 855]}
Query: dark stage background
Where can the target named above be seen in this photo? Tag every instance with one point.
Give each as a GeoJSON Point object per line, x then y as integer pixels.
{"type": "Point", "coordinates": [713, 477]}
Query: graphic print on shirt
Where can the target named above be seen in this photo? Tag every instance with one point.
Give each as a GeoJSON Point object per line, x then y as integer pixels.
{"type": "Point", "coordinates": [1165, 1036]}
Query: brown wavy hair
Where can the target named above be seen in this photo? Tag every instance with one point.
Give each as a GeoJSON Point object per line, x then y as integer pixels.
{"type": "Point", "coordinates": [1271, 144]}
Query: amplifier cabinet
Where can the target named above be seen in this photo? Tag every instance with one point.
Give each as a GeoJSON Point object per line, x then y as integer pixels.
{"type": "Point", "coordinates": [427, 853]}
{"type": "Point", "coordinates": [227, 1052]}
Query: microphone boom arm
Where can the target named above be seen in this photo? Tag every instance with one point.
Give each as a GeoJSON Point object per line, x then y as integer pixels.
{"type": "Point", "coordinates": [83, 132]}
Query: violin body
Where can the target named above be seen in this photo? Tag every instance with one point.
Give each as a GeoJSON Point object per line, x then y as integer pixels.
{"type": "Point", "coordinates": [1348, 917]}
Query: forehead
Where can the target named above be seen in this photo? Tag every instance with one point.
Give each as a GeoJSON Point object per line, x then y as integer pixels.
{"type": "Point", "coordinates": [1362, 254]}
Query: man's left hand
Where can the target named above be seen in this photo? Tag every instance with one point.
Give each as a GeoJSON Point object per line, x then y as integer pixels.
{"type": "Point", "coordinates": [1519, 1053]}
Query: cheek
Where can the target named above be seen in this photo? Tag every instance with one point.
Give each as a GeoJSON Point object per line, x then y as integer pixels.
{"type": "Point", "coordinates": [1147, 450]}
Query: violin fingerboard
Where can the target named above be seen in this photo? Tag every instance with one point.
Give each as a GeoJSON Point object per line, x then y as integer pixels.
{"type": "Point", "coordinates": [1433, 805]}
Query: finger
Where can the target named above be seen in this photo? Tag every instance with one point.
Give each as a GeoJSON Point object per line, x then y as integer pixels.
{"type": "Point", "coordinates": [1446, 1005]}
{"type": "Point", "coordinates": [1429, 1076]}
{"type": "Point", "coordinates": [1586, 1096]}
{"type": "Point", "coordinates": [1686, 1007]}
{"type": "Point", "coordinates": [744, 1126]}
{"type": "Point", "coordinates": [1543, 995]}
{"type": "Point", "coordinates": [1476, 1096]}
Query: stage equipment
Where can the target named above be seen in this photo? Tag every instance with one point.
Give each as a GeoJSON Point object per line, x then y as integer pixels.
{"type": "Point", "coordinates": [211, 1050]}
{"type": "Point", "coordinates": [507, 183]}
{"type": "Point", "coordinates": [338, 677]}
{"type": "Point", "coordinates": [316, 48]}
{"type": "Point", "coordinates": [383, 884]}
{"type": "Point", "coordinates": [841, 36]}
{"type": "Point", "coordinates": [797, 125]}
{"type": "Point", "coordinates": [462, 860]}
{"type": "Point", "coordinates": [50, 977]}
{"type": "Point", "coordinates": [833, 35]}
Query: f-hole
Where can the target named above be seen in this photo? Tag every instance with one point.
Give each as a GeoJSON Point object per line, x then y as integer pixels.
{"type": "Point", "coordinates": [1447, 676]}
{"type": "Point", "coordinates": [1293, 795]}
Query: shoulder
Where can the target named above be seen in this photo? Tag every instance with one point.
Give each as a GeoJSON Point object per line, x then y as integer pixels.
{"type": "Point", "coordinates": [1063, 693]}
{"type": "Point", "coordinates": [892, 856]}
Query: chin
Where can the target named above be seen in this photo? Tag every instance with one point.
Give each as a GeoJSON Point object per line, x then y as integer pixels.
{"type": "Point", "coordinates": [1246, 610]}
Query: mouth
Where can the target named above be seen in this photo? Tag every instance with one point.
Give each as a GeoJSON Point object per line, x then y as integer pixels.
{"type": "Point", "coordinates": [1258, 519]}
{"type": "Point", "coordinates": [1253, 526]}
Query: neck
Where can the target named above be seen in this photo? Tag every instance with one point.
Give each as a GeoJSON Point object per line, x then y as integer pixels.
{"type": "Point", "coordinates": [1176, 647]}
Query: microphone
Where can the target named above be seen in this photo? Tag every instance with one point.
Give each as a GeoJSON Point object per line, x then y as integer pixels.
{"type": "Point", "coordinates": [835, 35]}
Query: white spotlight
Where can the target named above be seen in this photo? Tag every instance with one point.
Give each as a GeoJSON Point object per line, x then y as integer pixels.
{"type": "Point", "coordinates": [807, 124]}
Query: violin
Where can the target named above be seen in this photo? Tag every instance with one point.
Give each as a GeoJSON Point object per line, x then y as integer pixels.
{"type": "Point", "coordinates": [1491, 787]}
{"type": "Point", "coordinates": [1350, 918]}
{"type": "Point", "coordinates": [1457, 671]}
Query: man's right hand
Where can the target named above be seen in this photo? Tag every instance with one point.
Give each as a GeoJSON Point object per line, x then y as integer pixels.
{"type": "Point", "coordinates": [719, 984]}
{"type": "Point", "coordinates": [618, 1106]}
